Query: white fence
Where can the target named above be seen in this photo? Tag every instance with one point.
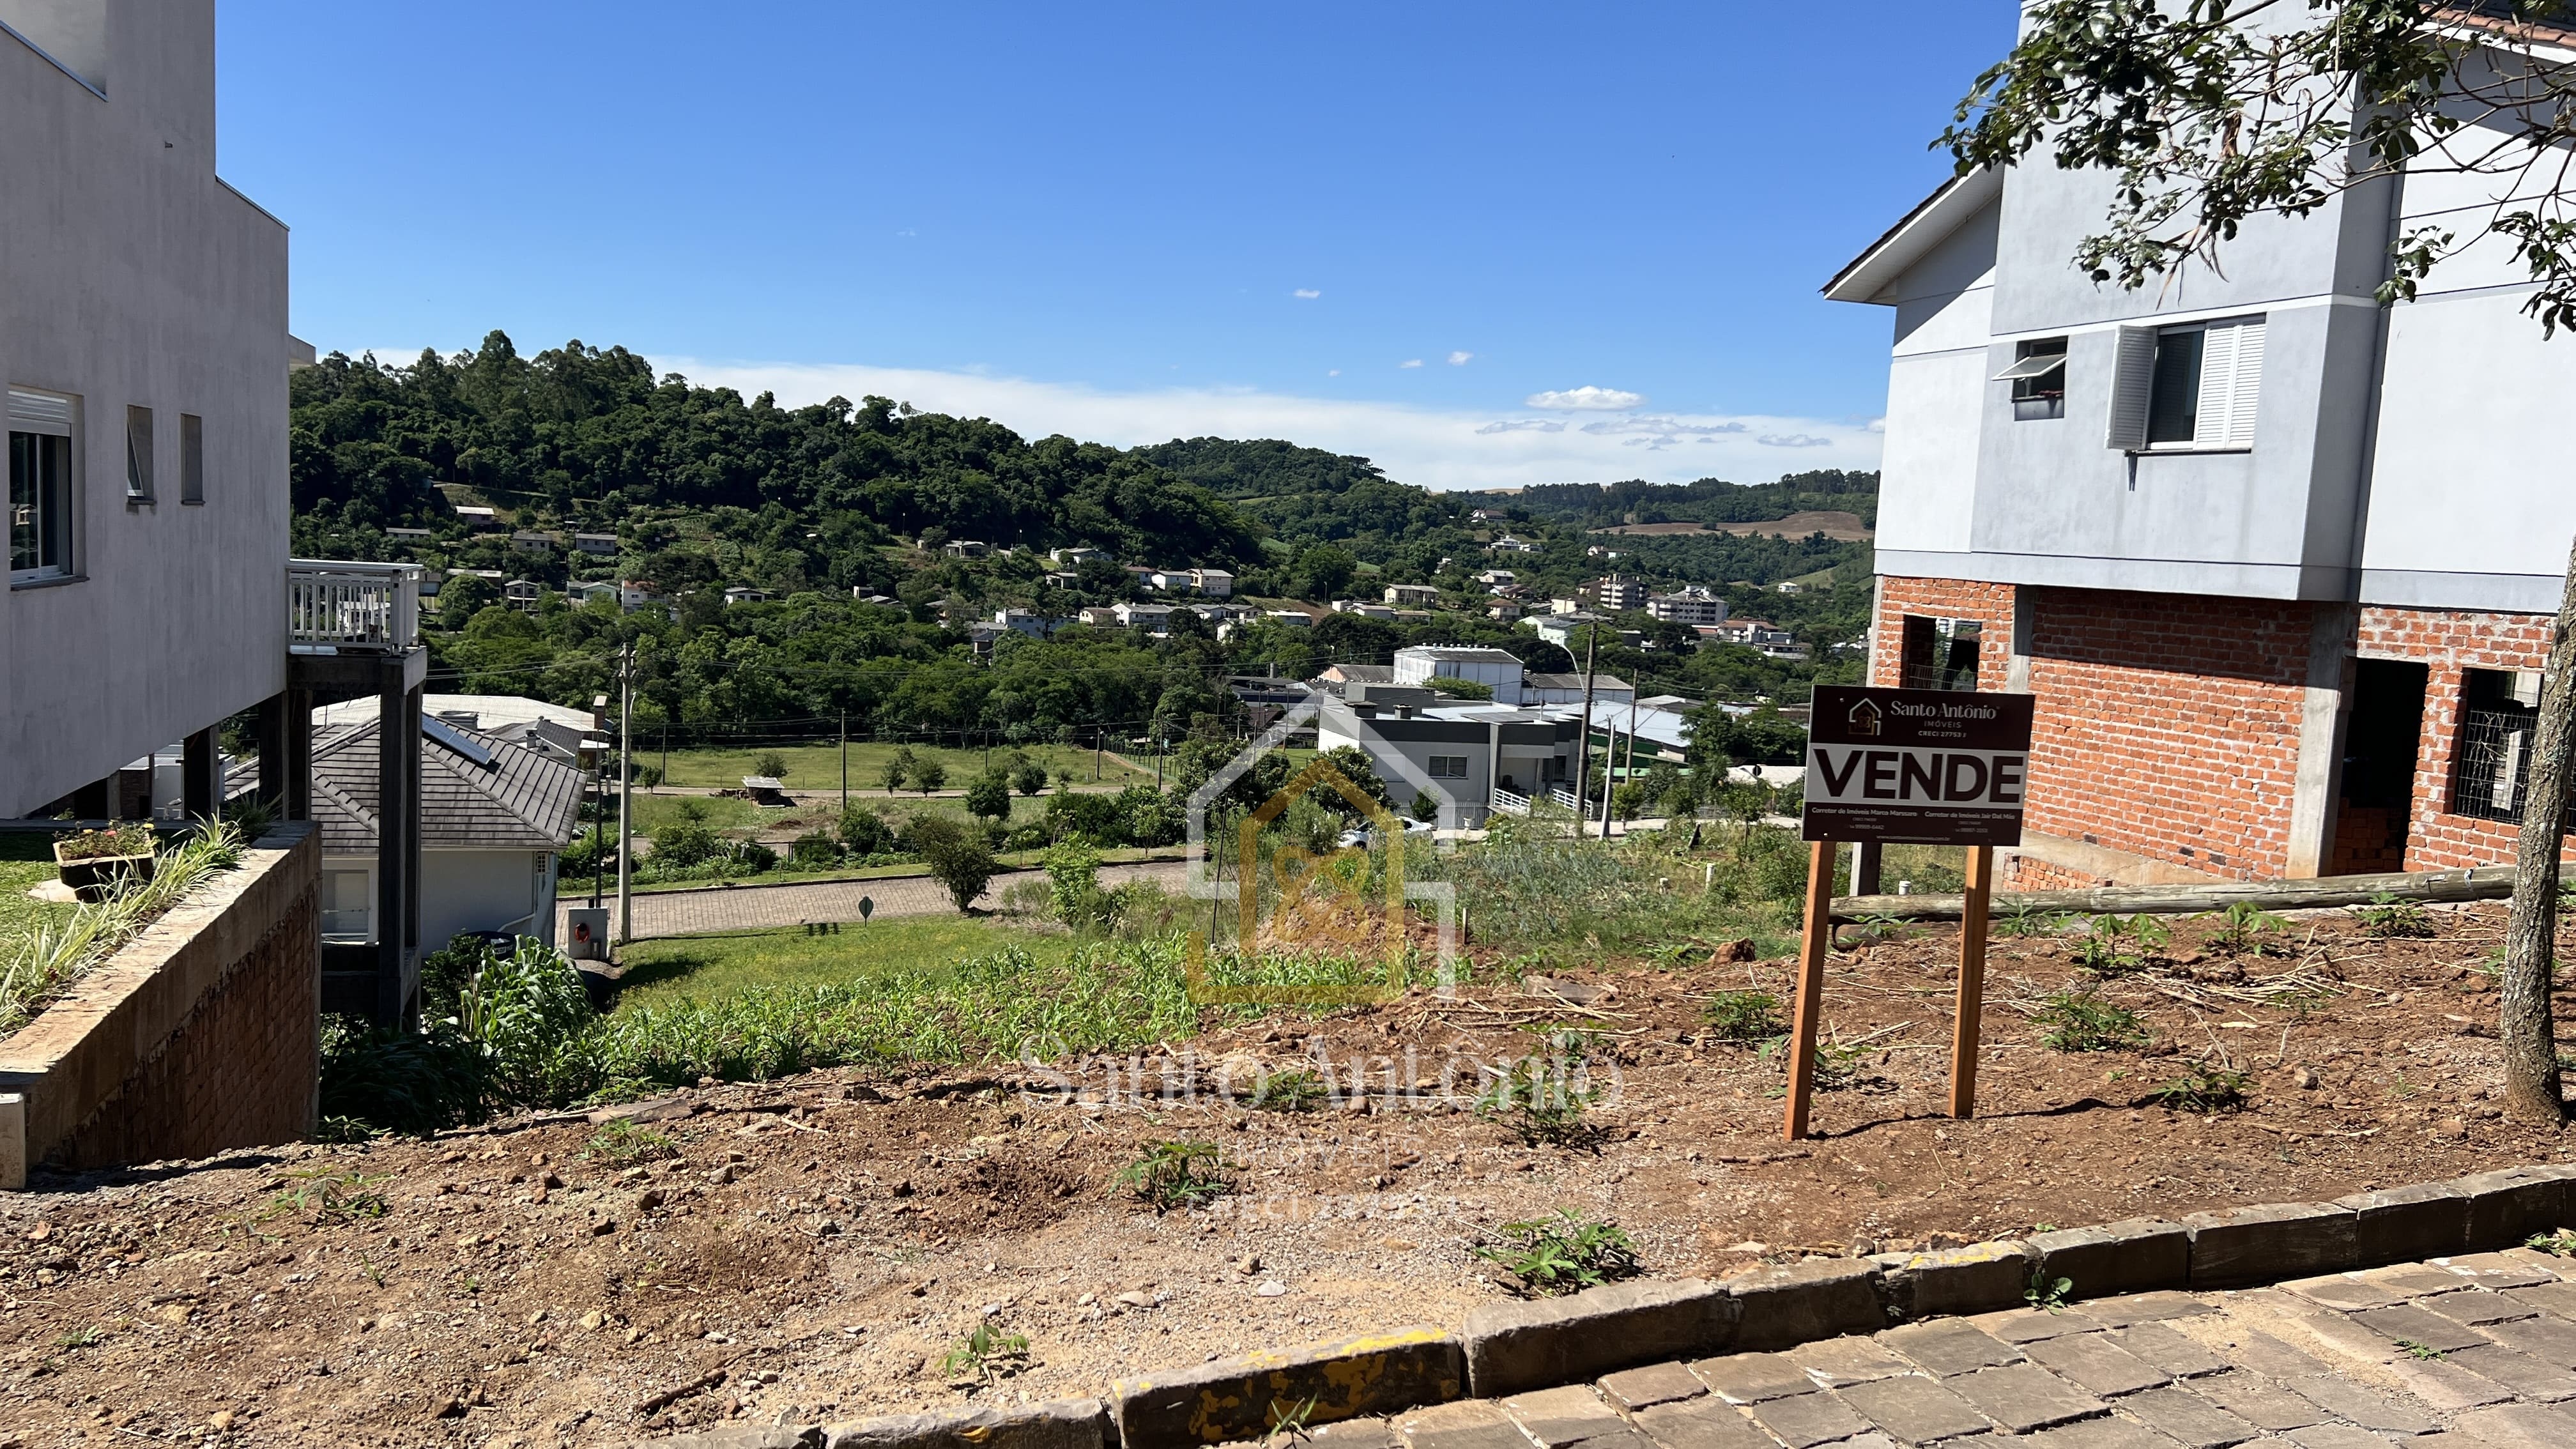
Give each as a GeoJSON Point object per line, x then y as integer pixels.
{"type": "Point", "coordinates": [337, 604]}
{"type": "Point", "coordinates": [1509, 803]}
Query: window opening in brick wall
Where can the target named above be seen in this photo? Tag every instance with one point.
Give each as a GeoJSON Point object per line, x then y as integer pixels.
{"type": "Point", "coordinates": [2383, 736]}
{"type": "Point", "coordinates": [2498, 711]}
{"type": "Point", "coordinates": [1939, 653]}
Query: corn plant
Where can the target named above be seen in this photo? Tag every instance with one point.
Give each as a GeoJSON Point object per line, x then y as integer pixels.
{"type": "Point", "coordinates": [986, 1354]}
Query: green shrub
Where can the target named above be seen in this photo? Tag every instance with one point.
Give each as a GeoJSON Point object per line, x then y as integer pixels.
{"type": "Point", "coordinates": [687, 840]}
{"type": "Point", "coordinates": [865, 832]}
{"type": "Point", "coordinates": [1027, 775]}
{"type": "Point", "coordinates": [929, 775]}
{"type": "Point", "coordinates": [1563, 1253]}
{"type": "Point", "coordinates": [2077, 1020]}
{"type": "Point", "coordinates": [2388, 916]}
{"type": "Point", "coordinates": [2203, 1088]}
{"type": "Point", "coordinates": [388, 1080]}
{"type": "Point", "coordinates": [958, 858]}
{"type": "Point", "coordinates": [1073, 884]}
{"type": "Point", "coordinates": [989, 795]}
{"type": "Point", "coordinates": [815, 850]}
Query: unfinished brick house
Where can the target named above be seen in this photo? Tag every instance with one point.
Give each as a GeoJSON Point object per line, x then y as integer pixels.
{"type": "Point", "coordinates": [2277, 561]}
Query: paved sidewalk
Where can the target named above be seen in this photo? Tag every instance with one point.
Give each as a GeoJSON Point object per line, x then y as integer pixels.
{"type": "Point", "coordinates": [744, 908]}
{"type": "Point", "coordinates": [2467, 1353]}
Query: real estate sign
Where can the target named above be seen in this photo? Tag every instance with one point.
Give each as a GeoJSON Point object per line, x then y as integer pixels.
{"type": "Point", "coordinates": [1917, 766]}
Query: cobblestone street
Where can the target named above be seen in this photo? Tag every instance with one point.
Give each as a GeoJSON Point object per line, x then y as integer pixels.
{"type": "Point", "coordinates": [746, 908]}
{"type": "Point", "coordinates": [2474, 1351]}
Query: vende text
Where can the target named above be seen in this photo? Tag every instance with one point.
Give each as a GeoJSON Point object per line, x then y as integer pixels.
{"type": "Point", "coordinates": [1846, 773]}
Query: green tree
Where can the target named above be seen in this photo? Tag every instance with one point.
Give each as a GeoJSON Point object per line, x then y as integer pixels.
{"type": "Point", "coordinates": [462, 597]}
{"type": "Point", "coordinates": [897, 769]}
{"type": "Point", "coordinates": [686, 839]}
{"type": "Point", "coordinates": [865, 832]}
{"type": "Point", "coordinates": [929, 775]}
{"type": "Point", "coordinates": [770, 766]}
{"type": "Point", "coordinates": [1324, 572]}
{"type": "Point", "coordinates": [989, 795]}
{"type": "Point", "coordinates": [956, 855]}
{"type": "Point", "coordinates": [2212, 114]}
{"type": "Point", "coordinates": [1027, 775]}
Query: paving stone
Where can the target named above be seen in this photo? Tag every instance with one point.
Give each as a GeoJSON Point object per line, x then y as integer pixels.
{"type": "Point", "coordinates": [2446, 1385]}
{"type": "Point", "coordinates": [2344, 1292]}
{"type": "Point", "coordinates": [2261, 1352]}
{"type": "Point", "coordinates": [2530, 1377]}
{"type": "Point", "coordinates": [2364, 1406]}
{"type": "Point", "coordinates": [1834, 1362]}
{"type": "Point", "coordinates": [2496, 1270]}
{"type": "Point", "coordinates": [2477, 1307]}
{"type": "Point", "coordinates": [2410, 1324]}
{"type": "Point", "coordinates": [2337, 1436]}
{"type": "Point", "coordinates": [2108, 1432]}
{"type": "Point", "coordinates": [2030, 1325]}
{"type": "Point", "coordinates": [2156, 1307]}
{"type": "Point", "coordinates": [1805, 1420]}
{"type": "Point", "coordinates": [2339, 1335]}
{"type": "Point", "coordinates": [1950, 1346]}
{"type": "Point", "coordinates": [1703, 1424]}
{"type": "Point", "coordinates": [1750, 1378]}
{"type": "Point", "coordinates": [2413, 1279]}
{"type": "Point", "coordinates": [2408, 1224]}
{"type": "Point", "coordinates": [2258, 1403]}
{"type": "Point", "coordinates": [1913, 1409]}
{"type": "Point", "coordinates": [2167, 1349]}
{"type": "Point", "coordinates": [2238, 1246]}
{"type": "Point", "coordinates": [2556, 1299]}
{"type": "Point", "coordinates": [2520, 1426]}
{"type": "Point", "coordinates": [1355, 1434]}
{"type": "Point", "coordinates": [2188, 1419]}
{"type": "Point", "coordinates": [2562, 1269]}
{"type": "Point", "coordinates": [2023, 1397]}
{"type": "Point", "coordinates": [1661, 1383]}
{"type": "Point", "coordinates": [1556, 1418]}
{"type": "Point", "coordinates": [2097, 1365]}
{"type": "Point", "coordinates": [2552, 1340]}
{"type": "Point", "coordinates": [2507, 1207]}
{"type": "Point", "coordinates": [1466, 1424]}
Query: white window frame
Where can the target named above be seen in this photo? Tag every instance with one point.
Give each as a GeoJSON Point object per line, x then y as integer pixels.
{"type": "Point", "coordinates": [53, 415]}
{"type": "Point", "coordinates": [1439, 764]}
{"type": "Point", "coordinates": [2229, 387]}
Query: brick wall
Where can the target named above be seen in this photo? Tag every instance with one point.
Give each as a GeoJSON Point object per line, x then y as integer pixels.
{"type": "Point", "coordinates": [2449, 642]}
{"type": "Point", "coordinates": [200, 1034]}
{"type": "Point", "coordinates": [2168, 725]}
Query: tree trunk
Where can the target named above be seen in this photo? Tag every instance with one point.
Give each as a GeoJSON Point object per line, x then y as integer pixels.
{"type": "Point", "coordinates": [2530, 1033]}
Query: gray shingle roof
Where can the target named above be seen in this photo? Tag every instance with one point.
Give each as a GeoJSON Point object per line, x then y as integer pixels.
{"type": "Point", "coordinates": [521, 801]}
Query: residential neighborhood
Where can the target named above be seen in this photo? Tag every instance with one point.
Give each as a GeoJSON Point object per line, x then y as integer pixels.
{"type": "Point", "coordinates": [1155, 762]}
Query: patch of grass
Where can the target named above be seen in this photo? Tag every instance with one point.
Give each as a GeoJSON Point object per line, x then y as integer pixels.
{"type": "Point", "coordinates": [2416, 1350]}
{"type": "Point", "coordinates": [2388, 917]}
{"type": "Point", "coordinates": [1297, 1091]}
{"type": "Point", "coordinates": [2078, 1020]}
{"type": "Point", "coordinates": [2203, 1088]}
{"type": "Point", "coordinates": [986, 1354]}
{"type": "Point", "coordinates": [1742, 1016]}
{"type": "Point", "coordinates": [625, 1144]}
{"type": "Point", "coordinates": [818, 767]}
{"type": "Point", "coordinates": [1564, 1252]}
{"type": "Point", "coordinates": [327, 1196]}
{"type": "Point", "coordinates": [78, 1338]}
{"type": "Point", "coordinates": [671, 969]}
{"type": "Point", "coordinates": [1178, 1174]}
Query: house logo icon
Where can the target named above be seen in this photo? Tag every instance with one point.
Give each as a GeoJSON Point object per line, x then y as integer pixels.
{"type": "Point", "coordinates": [1864, 719]}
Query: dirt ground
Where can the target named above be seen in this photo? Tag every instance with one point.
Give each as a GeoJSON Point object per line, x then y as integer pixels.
{"type": "Point", "coordinates": [818, 1245]}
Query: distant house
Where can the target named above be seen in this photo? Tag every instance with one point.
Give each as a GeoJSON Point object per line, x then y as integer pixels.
{"type": "Point", "coordinates": [742, 594]}
{"type": "Point", "coordinates": [409, 535]}
{"type": "Point", "coordinates": [1215, 583]}
{"type": "Point", "coordinates": [1074, 558]}
{"type": "Point", "coordinates": [1100, 616]}
{"type": "Point", "coordinates": [1568, 689]}
{"type": "Point", "coordinates": [530, 540]}
{"type": "Point", "coordinates": [1498, 670]}
{"type": "Point", "coordinates": [1029, 622]}
{"type": "Point", "coordinates": [604, 544]}
{"type": "Point", "coordinates": [1509, 544]}
{"type": "Point", "coordinates": [1689, 606]}
{"type": "Point", "coordinates": [965, 548]}
{"type": "Point", "coordinates": [1503, 609]}
{"type": "Point", "coordinates": [1338, 678]}
{"type": "Point", "coordinates": [1289, 618]}
{"type": "Point", "coordinates": [1617, 593]}
{"type": "Point", "coordinates": [595, 589]}
{"type": "Point", "coordinates": [1498, 577]}
{"type": "Point", "coordinates": [1061, 579]}
{"type": "Point", "coordinates": [1558, 629]}
{"type": "Point", "coordinates": [477, 513]}
{"type": "Point", "coordinates": [1485, 515]}
{"type": "Point", "coordinates": [1790, 586]}
{"type": "Point", "coordinates": [494, 816]}
{"type": "Point", "coordinates": [1146, 616]}
{"type": "Point", "coordinates": [633, 594]}
{"type": "Point", "coordinates": [522, 594]}
{"type": "Point", "coordinates": [767, 791]}
{"type": "Point", "coordinates": [1415, 594]}
{"type": "Point", "coordinates": [1363, 608]}
{"type": "Point", "coordinates": [1760, 634]}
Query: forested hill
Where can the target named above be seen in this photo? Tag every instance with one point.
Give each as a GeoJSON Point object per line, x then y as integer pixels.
{"type": "Point", "coordinates": [1710, 500]}
{"type": "Point", "coordinates": [584, 436]}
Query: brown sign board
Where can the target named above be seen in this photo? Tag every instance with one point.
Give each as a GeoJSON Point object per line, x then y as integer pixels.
{"type": "Point", "coordinates": [1916, 766]}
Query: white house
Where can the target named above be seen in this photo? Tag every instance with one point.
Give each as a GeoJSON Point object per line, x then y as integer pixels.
{"type": "Point", "coordinates": [602, 544]}
{"type": "Point", "coordinates": [1414, 595]}
{"type": "Point", "coordinates": [1496, 669]}
{"type": "Point", "coordinates": [1693, 605]}
{"type": "Point", "coordinates": [1029, 622]}
{"type": "Point", "coordinates": [1568, 689]}
{"type": "Point", "coordinates": [745, 594]}
{"type": "Point", "coordinates": [1144, 616]}
{"type": "Point", "coordinates": [143, 311]}
{"type": "Point", "coordinates": [1215, 583]}
{"type": "Point", "coordinates": [1509, 544]}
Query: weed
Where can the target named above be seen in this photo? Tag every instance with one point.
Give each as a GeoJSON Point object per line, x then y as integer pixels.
{"type": "Point", "coordinates": [2419, 1350]}
{"type": "Point", "coordinates": [2387, 916]}
{"type": "Point", "coordinates": [328, 1196]}
{"type": "Point", "coordinates": [2119, 945]}
{"type": "Point", "coordinates": [1563, 1253]}
{"type": "Point", "coordinates": [2561, 1243]}
{"type": "Point", "coordinates": [2203, 1089]}
{"type": "Point", "coordinates": [80, 1338]}
{"type": "Point", "coordinates": [1287, 1422]}
{"type": "Point", "coordinates": [2077, 1020]}
{"type": "Point", "coordinates": [986, 1354]}
{"type": "Point", "coordinates": [1870, 930]}
{"type": "Point", "coordinates": [1742, 1016]}
{"type": "Point", "coordinates": [2046, 1292]}
{"type": "Point", "coordinates": [2244, 930]}
{"type": "Point", "coordinates": [624, 1143]}
{"type": "Point", "coordinates": [2028, 922]}
{"type": "Point", "coordinates": [1297, 1091]}
{"type": "Point", "coordinates": [1542, 1099]}
{"type": "Point", "coordinates": [374, 1270]}
{"type": "Point", "coordinates": [1178, 1174]}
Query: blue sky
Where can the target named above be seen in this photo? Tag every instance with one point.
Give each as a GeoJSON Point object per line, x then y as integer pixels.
{"type": "Point", "coordinates": [1132, 221]}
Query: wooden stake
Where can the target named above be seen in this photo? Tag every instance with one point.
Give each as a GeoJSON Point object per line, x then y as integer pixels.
{"type": "Point", "coordinates": [1812, 948]}
{"type": "Point", "coordinates": [1972, 981]}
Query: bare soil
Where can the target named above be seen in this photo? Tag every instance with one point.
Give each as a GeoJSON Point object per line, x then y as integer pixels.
{"type": "Point", "coordinates": [1834, 524]}
{"type": "Point", "coordinates": [820, 1244]}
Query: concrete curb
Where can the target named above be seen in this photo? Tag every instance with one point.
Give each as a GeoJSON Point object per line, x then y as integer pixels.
{"type": "Point", "coordinates": [1514, 1348]}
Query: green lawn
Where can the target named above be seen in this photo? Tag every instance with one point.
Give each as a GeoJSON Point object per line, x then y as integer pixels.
{"type": "Point", "coordinates": [26, 860]}
{"type": "Point", "coordinates": [704, 968]}
{"type": "Point", "coordinates": [818, 767]}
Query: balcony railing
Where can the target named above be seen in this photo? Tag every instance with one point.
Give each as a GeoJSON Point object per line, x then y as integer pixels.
{"type": "Point", "coordinates": [334, 605]}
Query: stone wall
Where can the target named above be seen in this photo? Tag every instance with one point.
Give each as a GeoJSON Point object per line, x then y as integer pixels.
{"type": "Point", "coordinates": [199, 1035]}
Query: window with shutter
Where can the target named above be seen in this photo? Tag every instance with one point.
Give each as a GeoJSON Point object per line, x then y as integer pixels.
{"type": "Point", "coordinates": [2187, 389]}
{"type": "Point", "coordinates": [2132, 379]}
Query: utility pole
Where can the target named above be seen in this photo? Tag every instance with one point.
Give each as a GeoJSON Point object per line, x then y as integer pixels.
{"type": "Point", "coordinates": [1583, 741]}
{"type": "Point", "coordinates": [626, 791]}
{"type": "Point", "coordinates": [845, 763]}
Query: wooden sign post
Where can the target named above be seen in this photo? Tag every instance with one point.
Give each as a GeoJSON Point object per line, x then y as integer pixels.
{"type": "Point", "coordinates": [1907, 767]}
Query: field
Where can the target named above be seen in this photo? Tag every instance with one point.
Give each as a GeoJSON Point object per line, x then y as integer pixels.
{"type": "Point", "coordinates": [826, 1239]}
{"type": "Point", "coordinates": [706, 968]}
{"type": "Point", "coordinates": [818, 767]}
{"type": "Point", "coordinates": [26, 860]}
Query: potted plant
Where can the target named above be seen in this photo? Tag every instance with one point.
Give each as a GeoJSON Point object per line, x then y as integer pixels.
{"type": "Point", "coordinates": [95, 862]}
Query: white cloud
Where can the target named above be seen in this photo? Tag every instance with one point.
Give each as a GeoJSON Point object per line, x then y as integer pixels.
{"type": "Point", "coordinates": [1308, 294]}
{"type": "Point", "coordinates": [1434, 447]}
{"type": "Point", "coordinates": [1332, 372]}
{"type": "Point", "coordinates": [1585, 399]}
{"type": "Point", "coordinates": [1461, 359]}
{"type": "Point", "coordinates": [1410, 362]}
{"type": "Point", "coordinates": [1793, 440]}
